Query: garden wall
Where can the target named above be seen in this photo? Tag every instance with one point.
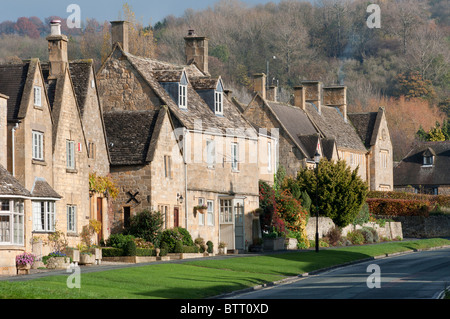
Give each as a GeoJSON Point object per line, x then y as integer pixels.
{"type": "Point", "coordinates": [391, 230]}
{"type": "Point", "coordinates": [425, 227]}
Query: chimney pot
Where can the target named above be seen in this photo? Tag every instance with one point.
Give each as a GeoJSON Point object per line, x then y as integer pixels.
{"type": "Point", "coordinates": [57, 49]}
{"type": "Point", "coordinates": [55, 27]}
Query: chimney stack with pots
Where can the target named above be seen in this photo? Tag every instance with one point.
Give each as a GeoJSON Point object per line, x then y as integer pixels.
{"type": "Point", "coordinates": [313, 93]}
{"type": "Point", "coordinates": [196, 49]}
{"type": "Point", "coordinates": [272, 93]}
{"type": "Point", "coordinates": [57, 49]}
{"type": "Point", "coordinates": [259, 84]}
{"type": "Point", "coordinates": [299, 97]}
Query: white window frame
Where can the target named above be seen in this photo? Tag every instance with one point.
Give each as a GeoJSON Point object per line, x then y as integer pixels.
{"type": "Point", "coordinates": [269, 156]}
{"type": "Point", "coordinates": [384, 158]}
{"type": "Point", "coordinates": [37, 145]}
{"type": "Point", "coordinates": [218, 102]}
{"type": "Point", "coordinates": [226, 211]}
{"type": "Point", "coordinates": [70, 154]}
{"type": "Point", "coordinates": [201, 217]}
{"type": "Point", "coordinates": [11, 222]}
{"type": "Point", "coordinates": [235, 156]}
{"type": "Point", "coordinates": [71, 218]}
{"type": "Point", "coordinates": [37, 92]}
{"type": "Point", "coordinates": [43, 216]}
{"type": "Point", "coordinates": [182, 96]}
{"type": "Point", "coordinates": [210, 212]}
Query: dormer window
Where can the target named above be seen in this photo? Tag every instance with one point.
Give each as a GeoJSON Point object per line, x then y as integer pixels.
{"type": "Point", "coordinates": [182, 92]}
{"type": "Point", "coordinates": [428, 157]}
{"type": "Point", "coordinates": [218, 99]}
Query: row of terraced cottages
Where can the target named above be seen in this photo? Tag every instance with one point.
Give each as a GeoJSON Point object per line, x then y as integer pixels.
{"type": "Point", "coordinates": [170, 136]}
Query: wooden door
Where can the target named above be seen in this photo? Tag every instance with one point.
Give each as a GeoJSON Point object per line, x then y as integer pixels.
{"type": "Point", "coordinates": [176, 216]}
{"type": "Point", "coordinates": [100, 216]}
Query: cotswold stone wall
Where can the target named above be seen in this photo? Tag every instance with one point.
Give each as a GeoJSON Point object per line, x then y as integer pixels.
{"type": "Point", "coordinates": [425, 227]}
{"type": "Point", "coordinates": [391, 230]}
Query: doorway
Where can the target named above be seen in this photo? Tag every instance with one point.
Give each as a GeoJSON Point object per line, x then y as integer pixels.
{"type": "Point", "coordinates": [176, 216]}
{"type": "Point", "coordinates": [100, 217]}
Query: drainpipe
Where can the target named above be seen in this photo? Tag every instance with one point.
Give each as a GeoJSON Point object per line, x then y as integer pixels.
{"type": "Point", "coordinates": [13, 157]}
{"type": "Point", "coordinates": [185, 179]}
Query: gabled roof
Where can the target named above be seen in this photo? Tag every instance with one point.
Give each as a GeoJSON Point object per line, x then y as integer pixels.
{"type": "Point", "coordinates": [331, 124]}
{"type": "Point", "coordinates": [10, 186]}
{"type": "Point", "coordinates": [198, 115]}
{"type": "Point", "coordinates": [12, 83]}
{"type": "Point", "coordinates": [41, 189]}
{"type": "Point", "coordinates": [132, 135]}
{"type": "Point", "coordinates": [367, 125]}
{"type": "Point", "coordinates": [80, 72]}
{"type": "Point", "coordinates": [411, 171]}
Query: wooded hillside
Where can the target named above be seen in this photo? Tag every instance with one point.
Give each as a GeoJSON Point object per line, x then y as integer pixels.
{"type": "Point", "coordinates": [404, 65]}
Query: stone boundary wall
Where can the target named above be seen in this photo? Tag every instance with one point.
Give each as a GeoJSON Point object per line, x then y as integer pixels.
{"type": "Point", "coordinates": [391, 230]}
{"type": "Point", "coordinates": [425, 227]}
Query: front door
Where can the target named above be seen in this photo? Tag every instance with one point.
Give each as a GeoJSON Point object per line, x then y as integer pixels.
{"type": "Point", "coordinates": [176, 216]}
{"type": "Point", "coordinates": [100, 217]}
{"type": "Point", "coordinates": [239, 224]}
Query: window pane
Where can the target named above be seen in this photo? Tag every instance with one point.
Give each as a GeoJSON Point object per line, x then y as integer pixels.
{"type": "Point", "coordinates": [18, 229]}
{"type": "Point", "coordinates": [5, 205]}
{"type": "Point", "coordinates": [5, 228]}
{"type": "Point", "coordinates": [210, 212]}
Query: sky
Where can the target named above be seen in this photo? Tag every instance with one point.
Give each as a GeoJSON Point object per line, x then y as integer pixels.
{"type": "Point", "coordinates": [147, 11]}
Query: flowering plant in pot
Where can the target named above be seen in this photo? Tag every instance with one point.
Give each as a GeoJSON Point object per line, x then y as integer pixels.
{"type": "Point", "coordinates": [25, 260]}
{"type": "Point", "coordinates": [202, 209]}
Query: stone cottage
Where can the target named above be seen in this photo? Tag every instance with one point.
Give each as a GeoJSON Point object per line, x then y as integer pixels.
{"type": "Point", "coordinates": [299, 140]}
{"type": "Point", "coordinates": [425, 169]}
{"type": "Point", "coordinates": [373, 129]}
{"type": "Point", "coordinates": [219, 146]}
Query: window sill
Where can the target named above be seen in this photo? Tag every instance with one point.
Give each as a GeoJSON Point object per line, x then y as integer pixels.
{"type": "Point", "coordinates": [38, 162]}
{"type": "Point", "coordinates": [42, 232]}
{"type": "Point", "coordinates": [72, 234]}
{"type": "Point", "coordinates": [11, 246]}
{"type": "Point", "coordinates": [71, 170]}
{"type": "Point", "coordinates": [38, 107]}
{"type": "Point", "coordinates": [235, 171]}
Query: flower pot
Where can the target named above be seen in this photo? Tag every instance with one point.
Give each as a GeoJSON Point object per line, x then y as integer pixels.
{"type": "Point", "coordinates": [202, 210]}
{"type": "Point", "coordinates": [86, 259]}
{"type": "Point", "coordinates": [223, 251]}
{"type": "Point", "coordinates": [23, 269]}
{"type": "Point", "coordinates": [58, 262]}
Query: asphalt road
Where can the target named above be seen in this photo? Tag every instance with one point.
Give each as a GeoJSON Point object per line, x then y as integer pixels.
{"type": "Point", "coordinates": [418, 275]}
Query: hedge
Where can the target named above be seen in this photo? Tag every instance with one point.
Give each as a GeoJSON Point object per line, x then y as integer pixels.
{"type": "Point", "coordinates": [117, 252]}
{"type": "Point", "coordinates": [441, 200]}
{"type": "Point", "coordinates": [398, 207]}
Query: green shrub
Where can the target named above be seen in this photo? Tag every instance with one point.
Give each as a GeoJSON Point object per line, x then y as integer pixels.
{"type": "Point", "coordinates": [190, 249]}
{"type": "Point", "coordinates": [170, 237]}
{"type": "Point", "coordinates": [368, 236]}
{"type": "Point", "coordinates": [112, 252]}
{"type": "Point", "coordinates": [187, 239]}
{"type": "Point", "coordinates": [200, 243]}
{"type": "Point", "coordinates": [334, 236]}
{"type": "Point", "coordinates": [363, 215]}
{"type": "Point", "coordinates": [355, 237]}
{"type": "Point", "coordinates": [145, 252]}
{"type": "Point", "coordinates": [130, 249]}
{"type": "Point", "coordinates": [210, 246]}
{"type": "Point", "coordinates": [119, 240]}
{"type": "Point", "coordinates": [178, 247]}
{"type": "Point", "coordinates": [398, 207]}
{"type": "Point", "coordinates": [146, 225]}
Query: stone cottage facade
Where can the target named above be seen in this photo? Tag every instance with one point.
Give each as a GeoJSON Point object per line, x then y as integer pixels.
{"type": "Point", "coordinates": [219, 146]}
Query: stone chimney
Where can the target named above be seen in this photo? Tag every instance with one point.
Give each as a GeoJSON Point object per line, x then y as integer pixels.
{"type": "Point", "coordinates": [196, 49]}
{"type": "Point", "coordinates": [272, 93]}
{"type": "Point", "coordinates": [57, 49]}
{"type": "Point", "coordinates": [3, 130]}
{"type": "Point", "coordinates": [119, 33]}
{"type": "Point", "coordinates": [336, 96]}
{"type": "Point", "coordinates": [299, 97]}
{"type": "Point", "coordinates": [313, 93]}
{"type": "Point", "coordinates": [259, 84]}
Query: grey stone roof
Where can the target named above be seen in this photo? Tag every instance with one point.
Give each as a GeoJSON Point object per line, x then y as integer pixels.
{"type": "Point", "coordinates": [12, 84]}
{"type": "Point", "coordinates": [10, 186]}
{"type": "Point", "coordinates": [80, 71]}
{"type": "Point", "coordinates": [411, 171]}
{"type": "Point", "coordinates": [42, 189]}
{"type": "Point", "coordinates": [367, 125]}
{"type": "Point", "coordinates": [131, 135]}
{"type": "Point", "coordinates": [332, 125]}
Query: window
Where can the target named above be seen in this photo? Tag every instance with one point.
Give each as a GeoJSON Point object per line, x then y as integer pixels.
{"type": "Point", "coordinates": [164, 210]}
{"type": "Point", "coordinates": [44, 216]}
{"type": "Point", "coordinates": [384, 158]}
{"type": "Point", "coordinates": [91, 150]}
{"type": "Point", "coordinates": [182, 96]}
{"type": "Point", "coordinates": [210, 153]}
{"type": "Point", "coordinates": [168, 166]}
{"type": "Point", "coordinates": [269, 156]}
{"type": "Point", "coordinates": [11, 222]}
{"type": "Point", "coordinates": [126, 216]}
{"type": "Point", "coordinates": [38, 145]}
{"type": "Point", "coordinates": [226, 211]}
{"type": "Point", "coordinates": [70, 154]}
{"type": "Point", "coordinates": [234, 156]}
{"type": "Point", "coordinates": [218, 102]}
{"type": "Point", "coordinates": [71, 218]}
{"type": "Point", "coordinates": [37, 96]}
{"type": "Point", "coordinates": [210, 212]}
{"type": "Point", "coordinates": [428, 160]}
{"type": "Point", "coordinates": [201, 217]}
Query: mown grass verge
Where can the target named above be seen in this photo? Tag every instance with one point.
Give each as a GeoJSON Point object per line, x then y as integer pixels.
{"type": "Point", "coordinates": [200, 278]}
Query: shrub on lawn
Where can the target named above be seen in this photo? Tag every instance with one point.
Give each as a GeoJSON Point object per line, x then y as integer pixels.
{"type": "Point", "coordinates": [355, 237]}
{"type": "Point", "coordinates": [187, 239]}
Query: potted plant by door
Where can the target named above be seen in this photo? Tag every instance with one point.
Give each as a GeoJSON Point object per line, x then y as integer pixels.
{"type": "Point", "coordinates": [24, 262]}
{"type": "Point", "coordinates": [222, 248]}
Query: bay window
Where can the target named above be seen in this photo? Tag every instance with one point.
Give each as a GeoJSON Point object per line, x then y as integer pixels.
{"type": "Point", "coordinates": [11, 222]}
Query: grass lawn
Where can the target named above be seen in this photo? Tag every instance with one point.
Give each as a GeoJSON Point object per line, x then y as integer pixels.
{"type": "Point", "coordinates": [201, 278]}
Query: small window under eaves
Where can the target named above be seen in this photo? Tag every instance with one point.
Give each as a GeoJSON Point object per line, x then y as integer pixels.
{"type": "Point", "coordinates": [218, 99]}
{"type": "Point", "coordinates": [182, 92]}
